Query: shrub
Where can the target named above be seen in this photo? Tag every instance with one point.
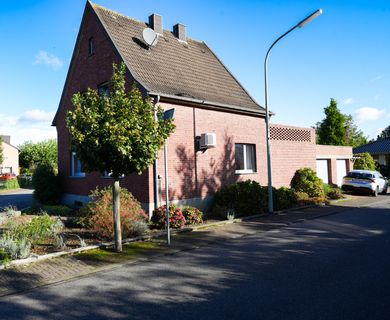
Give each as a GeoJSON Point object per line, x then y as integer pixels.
{"type": "Point", "coordinates": [306, 180]}
{"type": "Point", "coordinates": [364, 161]}
{"type": "Point", "coordinates": [245, 198]}
{"type": "Point", "coordinates": [192, 215]}
{"type": "Point", "coordinates": [57, 210]}
{"type": "Point", "coordinates": [332, 192]}
{"type": "Point", "coordinates": [14, 248]}
{"type": "Point", "coordinates": [283, 198]}
{"type": "Point", "coordinates": [40, 228]}
{"type": "Point", "coordinates": [46, 185]}
{"type": "Point", "coordinates": [10, 184]}
{"type": "Point", "coordinates": [176, 218]}
{"type": "Point", "coordinates": [25, 181]}
{"type": "Point", "coordinates": [98, 214]}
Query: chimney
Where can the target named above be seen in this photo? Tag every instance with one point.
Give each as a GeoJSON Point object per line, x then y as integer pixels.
{"type": "Point", "coordinates": [179, 30]}
{"type": "Point", "coordinates": [155, 22]}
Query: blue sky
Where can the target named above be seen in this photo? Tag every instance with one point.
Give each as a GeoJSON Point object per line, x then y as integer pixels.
{"type": "Point", "coordinates": [343, 54]}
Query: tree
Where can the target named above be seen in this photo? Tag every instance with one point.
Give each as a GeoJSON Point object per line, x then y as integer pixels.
{"type": "Point", "coordinates": [364, 161]}
{"type": "Point", "coordinates": [332, 130]}
{"type": "Point", "coordinates": [353, 136]}
{"type": "Point", "coordinates": [384, 134]}
{"type": "Point", "coordinates": [117, 133]}
{"type": "Point", "coordinates": [32, 154]}
{"type": "Point", "coordinates": [1, 151]}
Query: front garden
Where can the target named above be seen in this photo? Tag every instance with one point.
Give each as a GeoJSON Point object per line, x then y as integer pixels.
{"type": "Point", "coordinates": [43, 229]}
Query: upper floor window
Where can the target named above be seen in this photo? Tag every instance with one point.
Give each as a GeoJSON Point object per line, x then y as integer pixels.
{"type": "Point", "coordinates": [104, 90]}
{"type": "Point", "coordinates": [245, 156]}
{"type": "Point", "coordinates": [77, 166]}
{"type": "Point", "coordinates": [91, 46]}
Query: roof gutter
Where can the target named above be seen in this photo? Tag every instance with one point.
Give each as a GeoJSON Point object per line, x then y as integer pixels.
{"type": "Point", "coordinates": [210, 103]}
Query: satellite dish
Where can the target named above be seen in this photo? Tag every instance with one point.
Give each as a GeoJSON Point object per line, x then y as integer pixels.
{"type": "Point", "coordinates": [150, 37]}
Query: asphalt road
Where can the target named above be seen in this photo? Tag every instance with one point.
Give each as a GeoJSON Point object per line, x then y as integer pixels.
{"type": "Point", "coordinates": [20, 198]}
{"type": "Point", "coordinates": [335, 267]}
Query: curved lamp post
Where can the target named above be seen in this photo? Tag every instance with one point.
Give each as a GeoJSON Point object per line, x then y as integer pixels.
{"type": "Point", "coordinates": [269, 166]}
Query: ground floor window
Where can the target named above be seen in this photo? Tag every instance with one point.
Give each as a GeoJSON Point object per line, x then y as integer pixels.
{"type": "Point", "coordinates": [245, 156]}
{"type": "Point", "coordinates": [77, 166]}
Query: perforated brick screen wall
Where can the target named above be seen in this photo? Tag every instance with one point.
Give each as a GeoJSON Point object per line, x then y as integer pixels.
{"type": "Point", "coordinates": [290, 134]}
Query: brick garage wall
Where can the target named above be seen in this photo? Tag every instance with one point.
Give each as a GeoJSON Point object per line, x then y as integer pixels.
{"type": "Point", "coordinates": [332, 154]}
{"type": "Point", "coordinates": [90, 71]}
{"type": "Point", "coordinates": [292, 148]}
{"type": "Point", "coordinates": [198, 174]}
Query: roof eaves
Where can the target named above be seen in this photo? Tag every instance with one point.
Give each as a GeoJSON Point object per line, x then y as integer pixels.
{"type": "Point", "coordinates": [209, 103]}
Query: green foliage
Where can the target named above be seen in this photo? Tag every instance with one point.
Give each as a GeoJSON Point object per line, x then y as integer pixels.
{"type": "Point", "coordinates": [119, 133]}
{"type": "Point", "coordinates": [32, 154]}
{"type": "Point", "coordinates": [176, 217]}
{"type": "Point", "coordinates": [384, 134]}
{"type": "Point", "coordinates": [1, 151]}
{"type": "Point", "coordinates": [353, 136]}
{"type": "Point", "coordinates": [364, 161]}
{"type": "Point", "coordinates": [283, 198]}
{"type": "Point", "coordinates": [244, 198]}
{"type": "Point", "coordinates": [46, 184]}
{"type": "Point", "coordinates": [39, 229]}
{"type": "Point", "coordinates": [98, 214]}
{"type": "Point", "coordinates": [333, 193]}
{"type": "Point", "coordinates": [10, 184]}
{"type": "Point", "coordinates": [306, 180]}
{"type": "Point", "coordinates": [11, 248]}
{"type": "Point", "coordinates": [192, 215]}
{"type": "Point", "coordinates": [332, 129]}
{"type": "Point", "coordinates": [25, 181]}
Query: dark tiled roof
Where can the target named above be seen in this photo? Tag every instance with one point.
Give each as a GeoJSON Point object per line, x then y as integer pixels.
{"type": "Point", "coordinates": [185, 71]}
{"type": "Point", "coordinates": [377, 147]}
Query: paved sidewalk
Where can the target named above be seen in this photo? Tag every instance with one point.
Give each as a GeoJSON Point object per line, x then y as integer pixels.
{"type": "Point", "coordinates": [22, 278]}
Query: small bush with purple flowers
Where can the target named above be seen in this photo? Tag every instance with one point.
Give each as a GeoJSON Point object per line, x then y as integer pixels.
{"type": "Point", "coordinates": [192, 215]}
{"type": "Point", "coordinates": [176, 218]}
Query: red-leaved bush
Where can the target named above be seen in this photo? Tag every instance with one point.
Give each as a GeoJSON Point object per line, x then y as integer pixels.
{"type": "Point", "coordinates": [192, 215]}
{"type": "Point", "coordinates": [98, 214]}
{"type": "Point", "coordinates": [176, 218]}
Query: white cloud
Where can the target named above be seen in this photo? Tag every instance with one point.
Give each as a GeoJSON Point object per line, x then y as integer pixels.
{"type": "Point", "coordinates": [368, 114]}
{"type": "Point", "coordinates": [347, 101]}
{"type": "Point", "coordinates": [35, 116]}
{"type": "Point", "coordinates": [32, 125]}
{"type": "Point", "coordinates": [48, 59]}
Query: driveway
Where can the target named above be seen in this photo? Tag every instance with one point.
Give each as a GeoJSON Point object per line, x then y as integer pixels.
{"type": "Point", "coordinates": [334, 267]}
{"type": "Point", "coordinates": [20, 198]}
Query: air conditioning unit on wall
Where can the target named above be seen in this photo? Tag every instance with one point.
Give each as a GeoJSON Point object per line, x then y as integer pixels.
{"type": "Point", "coordinates": [208, 140]}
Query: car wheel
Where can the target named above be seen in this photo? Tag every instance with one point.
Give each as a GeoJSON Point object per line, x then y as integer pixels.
{"type": "Point", "coordinates": [375, 194]}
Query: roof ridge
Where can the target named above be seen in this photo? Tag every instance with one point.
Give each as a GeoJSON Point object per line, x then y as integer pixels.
{"type": "Point", "coordinates": [94, 5]}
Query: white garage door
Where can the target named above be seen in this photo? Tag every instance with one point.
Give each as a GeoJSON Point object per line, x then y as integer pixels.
{"type": "Point", "coordinates": [322, 170]}
{"type": "Point", "coordinates": [341, 171]}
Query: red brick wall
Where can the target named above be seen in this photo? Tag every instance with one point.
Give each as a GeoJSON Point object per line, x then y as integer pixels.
{"type": "Point", "coordinates": [199, 174]}
{"type": "Point", "coordinates": [90, 71]}
{"type": "Point", "coordinates": [292, 148]}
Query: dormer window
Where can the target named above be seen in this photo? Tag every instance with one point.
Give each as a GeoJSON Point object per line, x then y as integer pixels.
{"type": "Point", "coordinates": [91, 46]}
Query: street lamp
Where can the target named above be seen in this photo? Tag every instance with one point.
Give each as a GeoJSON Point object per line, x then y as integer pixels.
{"type": "Point", "coordinates": [269, 166]}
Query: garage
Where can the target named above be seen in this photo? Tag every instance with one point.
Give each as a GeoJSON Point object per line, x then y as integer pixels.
{"type": "Point", "coordinates": [341, 170]}
{"type": "Point", "coordinates": [323, 170]}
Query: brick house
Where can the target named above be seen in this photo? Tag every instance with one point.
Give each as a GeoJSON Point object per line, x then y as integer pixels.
{"type": "Point", "coordinates": [182, 73]}
{"type": "Point", "coordinates": [11, 157]}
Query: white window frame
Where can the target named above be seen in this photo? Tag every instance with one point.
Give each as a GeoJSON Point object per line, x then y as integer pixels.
{"type": "Point", "coordinates": [78, 174]}
{"type": "Point", "coordinates": [246, 170]}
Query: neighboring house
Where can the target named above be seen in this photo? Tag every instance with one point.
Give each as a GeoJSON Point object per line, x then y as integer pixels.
{"type": "Point", "coordinates": [181, 73]}
{"type": "Point", "coordinates": [11, 157]}
{"type": "Point", "coordinates": [380, 151]}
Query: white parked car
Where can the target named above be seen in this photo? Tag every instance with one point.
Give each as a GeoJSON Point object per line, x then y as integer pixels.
{"type": "Point", "coordinates": [367, 181]}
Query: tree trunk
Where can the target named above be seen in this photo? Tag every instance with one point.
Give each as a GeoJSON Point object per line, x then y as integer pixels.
{"type": "Point", "coordinates": [117, 216]}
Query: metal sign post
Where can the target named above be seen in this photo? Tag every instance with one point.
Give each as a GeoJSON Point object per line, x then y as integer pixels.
{"type": "Point", "coordinates": [167, 115]}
